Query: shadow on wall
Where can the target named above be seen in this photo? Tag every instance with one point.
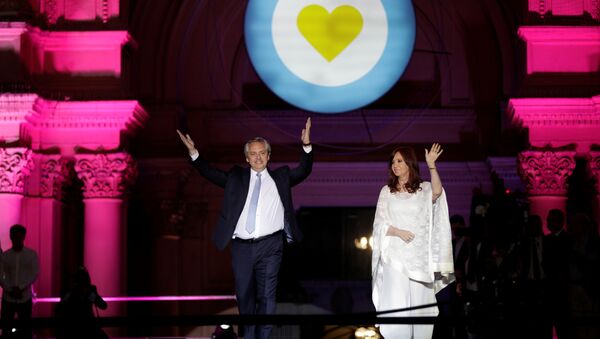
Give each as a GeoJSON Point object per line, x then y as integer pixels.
{"type": "Point", "coordinates": [12, 71]}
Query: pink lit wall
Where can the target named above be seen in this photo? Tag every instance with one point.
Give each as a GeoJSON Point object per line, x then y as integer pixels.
{"type": "Point", "coordinates": [552, 49]}
{"type": "Point", "coordinates": [104, 253]}
{"type": "Point", "coordinates": [33, 177]}
{"type": "Point", "coordinates": [10, 210]}
{"type": "Point", "coordinates": [96, 53]}
{"type": "Point", "coordinates": [10, 49]}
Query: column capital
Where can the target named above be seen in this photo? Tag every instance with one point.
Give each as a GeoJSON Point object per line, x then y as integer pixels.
{"type": "Point", "coordinates": [55, 175]}
{"type": "Point", "coordinates": [105, 175]}
{"type": "Point", "coordinates": [546, 172]}
{"type": "Point", "coordinates": [593, 160]}
{"type": "Point", "coordinates": [16, 164]}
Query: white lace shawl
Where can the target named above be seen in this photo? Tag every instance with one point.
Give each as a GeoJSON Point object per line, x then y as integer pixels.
{"type": "Point", "coordinates": [428, 258]}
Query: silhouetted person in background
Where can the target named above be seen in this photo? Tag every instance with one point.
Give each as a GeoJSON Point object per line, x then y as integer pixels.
{"type": "Point", "coordinates": [19, 270]}
{"type": "Point", "coordinates": [584, 267]}
{"type": "Point", "coordinates": [76, 309]}
{"type": "Point", "coordinates": [556, 250]}
{"type": "Point", "coordinates": [451, 302]}
{"type": "Point", "coordinates": [529, 277]}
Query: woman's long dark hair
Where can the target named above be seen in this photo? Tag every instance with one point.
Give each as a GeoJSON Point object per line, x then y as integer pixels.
{"type": "Point", "coordinates": [414, 178]}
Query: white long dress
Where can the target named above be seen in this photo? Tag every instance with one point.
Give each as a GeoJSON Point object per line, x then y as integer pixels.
{"type": "Point", "coordinates": [409, 274]}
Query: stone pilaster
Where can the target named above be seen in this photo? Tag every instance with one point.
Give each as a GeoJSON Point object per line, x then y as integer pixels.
{"type": "Point", "coordinates": [106, 178]}
{"type": "Point", "coordinates": [55, 175]}
{"type": "Point", "coordinates": [15, 165]}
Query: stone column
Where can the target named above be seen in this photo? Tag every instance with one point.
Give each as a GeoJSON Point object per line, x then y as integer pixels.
{"type": "Point", "coordinates": [545, 175]}
{"type": "Point", "coordinates": [55, 174]}
{"type": "Point", "coordinates": [106, 178]}
{"type": "Point", "coordinates": [42, 215]}
{"type": "Point", "coordinates": [15, 166]}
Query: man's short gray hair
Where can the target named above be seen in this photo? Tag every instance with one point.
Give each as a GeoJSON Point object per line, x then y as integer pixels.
{"type": "Point", "coordinates": [257, 139]}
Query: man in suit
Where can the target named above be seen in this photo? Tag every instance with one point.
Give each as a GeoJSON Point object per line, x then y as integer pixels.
{"type": "Point", "coordinates": [256, 216]}
{"type": "Point", "coordinates": [19, 269]}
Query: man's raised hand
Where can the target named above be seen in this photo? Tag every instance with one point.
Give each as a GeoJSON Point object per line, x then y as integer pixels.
{"type": "Point", "coordinates": [306, 133]}
{"type": "Point", "coordinates": [188, 142]}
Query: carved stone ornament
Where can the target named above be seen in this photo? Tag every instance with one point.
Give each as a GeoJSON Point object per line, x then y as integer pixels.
{"type": "Point", "coordinates": [565, 7]}
{"type": "Point", "coordinates": [16, 164]}
{"type": "Point", "coordinates": [546, 172]}
{"type": "Point", "coordinates": [105, 175]}
{"type": "Point", "coordinates": [51, 11]}
{"type": "Point", "coordinates": [55, 175]}
{"type": "Point", "coordinates": [594, 166]}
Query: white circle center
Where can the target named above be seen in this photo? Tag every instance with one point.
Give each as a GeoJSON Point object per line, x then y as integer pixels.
{"type": "Point", "coordinates": [351, 64]}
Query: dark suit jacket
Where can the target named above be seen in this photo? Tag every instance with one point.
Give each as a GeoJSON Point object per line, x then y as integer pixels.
{"type": "Point", "coordinates": [236, 182]}
{"type": "Point", "coordinates": [556, 252]}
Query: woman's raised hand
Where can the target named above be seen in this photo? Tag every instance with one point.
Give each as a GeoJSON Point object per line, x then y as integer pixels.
{"type": "Point", "coordinates": [432, 154]}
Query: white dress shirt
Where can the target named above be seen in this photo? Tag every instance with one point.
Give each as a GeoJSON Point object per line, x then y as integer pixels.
{"type": "Point", "coordinates": [18, 269]}
{"type": "Point", "coordinates": [269, 212]}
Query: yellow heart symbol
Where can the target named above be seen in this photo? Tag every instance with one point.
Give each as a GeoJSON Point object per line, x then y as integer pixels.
{"type": "Point", "coordinates": [328, 33]}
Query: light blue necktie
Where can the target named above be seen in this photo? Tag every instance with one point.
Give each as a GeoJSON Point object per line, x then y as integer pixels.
{"type": "Point", "coordinates": [251, 219]}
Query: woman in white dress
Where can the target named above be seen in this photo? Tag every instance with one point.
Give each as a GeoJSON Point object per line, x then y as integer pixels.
{"type": "Point", "coordinates": [412, 246]}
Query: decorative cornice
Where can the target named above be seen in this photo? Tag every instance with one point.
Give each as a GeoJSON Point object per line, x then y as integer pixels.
{"type": "Point", "coordinates": [555, 111]}
{"type": "Point", "coordinates": [106, 114]}
{"type": "Point", "coordinates": [546, 172]}
{"type": "Point", "coordinates": [577, 34]}
{"type": "Point", "coordinates": [105, 175]}
{"type": "Point", "coordinates": [88, 124]}
{"type": "Point", "coordinates": [558, 121]}
{"type": "Point", "coordinates": [16, 164]}
{"type": "Point", "coordinates": [55, 175]}
{"type": "Point", "coordinates": [10, 31]}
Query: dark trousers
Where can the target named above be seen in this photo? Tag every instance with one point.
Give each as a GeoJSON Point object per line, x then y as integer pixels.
{"type": "Point", "coordinates": [255, 269]}
{"type": "Point", "coordinates": [23, 313]}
